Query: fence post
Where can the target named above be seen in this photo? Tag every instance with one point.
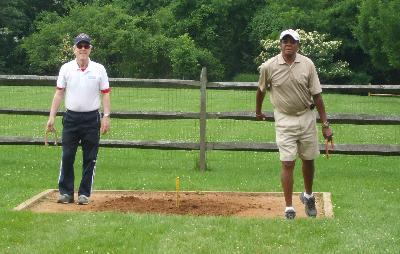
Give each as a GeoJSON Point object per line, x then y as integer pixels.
{"type": "Point", "coordinates": [203, 120]}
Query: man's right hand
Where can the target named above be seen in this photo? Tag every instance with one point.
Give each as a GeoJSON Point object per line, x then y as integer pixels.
{"type": "Point", "coordinates": [50, 124]}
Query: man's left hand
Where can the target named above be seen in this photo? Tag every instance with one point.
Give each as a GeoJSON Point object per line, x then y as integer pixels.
{"type": "Point", "coordinates": [261, 117]}
{"type": "Point", "coordinates": [328, 135]}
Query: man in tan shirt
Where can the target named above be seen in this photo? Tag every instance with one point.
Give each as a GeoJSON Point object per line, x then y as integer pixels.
{"type": "Point", "coordinates": [295, 90]}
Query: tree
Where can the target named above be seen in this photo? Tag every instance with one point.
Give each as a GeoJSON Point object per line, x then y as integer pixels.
{"type": "Point", "coordinates": [336, 18]}
{"type": "Point", "coordinates": [142, 6]}
{"type": "Point", "coordinates": [317, 47]}
{"type": "Point", "coordinates": [12, 23]}
{"type": "Point", "coordinates": [276, 16]}
{"type": "Point", "coordinates": [120, 43]}
{"type": "Point", "coordinates": [16, 18]}
{"type": "Point", "coordinates": [220, 27]}
{"type": "Point", "coordinates": [378, 32]}
{"type": "Point", "coordinates": [187, 60]}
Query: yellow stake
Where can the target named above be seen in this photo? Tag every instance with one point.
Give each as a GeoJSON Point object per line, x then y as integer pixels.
{"type": "Point", "coordinates": [177, 183]}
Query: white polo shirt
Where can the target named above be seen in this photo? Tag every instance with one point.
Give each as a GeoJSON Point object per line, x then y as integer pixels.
{"type": "Point", "coordinates": [83, 88]}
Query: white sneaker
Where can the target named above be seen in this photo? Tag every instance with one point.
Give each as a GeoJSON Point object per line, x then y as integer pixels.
{"type": "Point", "coordinates": [65, 199]}
{"type": "Point", "coordinates": [83, 200]}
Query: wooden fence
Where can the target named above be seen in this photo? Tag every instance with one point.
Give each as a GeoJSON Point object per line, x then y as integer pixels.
{"type": "Point", "coordinates": [203, 146]}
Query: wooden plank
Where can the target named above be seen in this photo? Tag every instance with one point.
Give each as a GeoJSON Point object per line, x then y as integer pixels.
{"type": "Point", "coordinates": [361, 89]}
{"type": "Point", "coordinates": [154, 83]}
{"type": "Point", "coordinates": [239, 115]}
{"type": "Point", "coordinates": [383, 95]}
{"type": "Point", "coordinates": [365, 149]}
{"type": "Point", "coordinates": [349, 149]}
{"type": "Point", "coordinates": [28, 80]}
{"type": "Point", "coordinates": [360, 119]}
{"type": "Point", "coordinates": [37, 112]}
{"type": "Point", "coordinates": [32, 201]}
{"type": "Point", "coordinates": [34, 80]}
{"type": "Point", "coordinates": [161, 145]}
{"type": "Point", "coordinates": [156, 115]}
{"type": "Point", "coordinates": [243, 146]}
{"type": "Point", "coordinates": [326, 88]}
{"type": "Point", "coordinates": [327, 204]}
{"type": "Point", "coordinates": [233, 85]}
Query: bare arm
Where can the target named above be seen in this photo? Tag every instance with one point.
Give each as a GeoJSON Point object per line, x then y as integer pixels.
{"type": "Point", "coordinates": [105, 122]}
{"type": "Point", "coordinates": [319, 104]}
{"type": "Point", "coordinates": [260, 95]}
{"type": "Point", "coordinates": [58, 97]}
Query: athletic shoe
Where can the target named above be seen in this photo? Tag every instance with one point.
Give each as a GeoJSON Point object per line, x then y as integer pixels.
{"type": "Point", "coordinates": [309, 204]}
{"type": "Point", "coordinates": [83, 200]}
{"type": "Point", "coordinates": [290, 214]}
{"type": "Point", "coordinates": [65, 199]}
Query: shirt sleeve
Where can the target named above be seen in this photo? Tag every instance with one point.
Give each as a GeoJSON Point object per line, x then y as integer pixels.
{"type": "Point", "coordinates": [61, 79]}
{"type": "Point", "coordinates": [104, 83]}
{"type": "Point", "coordinates": [314, 84]}
{"type": "Point", "coordinates": [262, 81]}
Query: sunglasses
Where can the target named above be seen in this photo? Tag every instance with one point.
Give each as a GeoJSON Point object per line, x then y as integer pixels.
{"type": "Point", "coordinates": [85, 46]}
{"type": "Point", "coordinates": [288, 40]}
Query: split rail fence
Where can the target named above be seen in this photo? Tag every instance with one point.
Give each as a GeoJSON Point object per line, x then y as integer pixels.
{"type": "Point", "coordinates": [203, 146]}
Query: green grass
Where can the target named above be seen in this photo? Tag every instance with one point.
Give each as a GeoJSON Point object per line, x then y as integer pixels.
{"type": "Point", "coordinates": [365, 189]}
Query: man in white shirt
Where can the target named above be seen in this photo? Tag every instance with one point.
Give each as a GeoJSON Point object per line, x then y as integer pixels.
{"type": "Point", "coordinates": [85, 84]}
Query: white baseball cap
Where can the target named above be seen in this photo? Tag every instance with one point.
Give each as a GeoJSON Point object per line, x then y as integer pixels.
{"type": "Point", "coordinates": [295, 35]}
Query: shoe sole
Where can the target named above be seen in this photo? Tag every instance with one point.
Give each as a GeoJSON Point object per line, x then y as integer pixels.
{"type": "Point", "coordinates": [66, 202]}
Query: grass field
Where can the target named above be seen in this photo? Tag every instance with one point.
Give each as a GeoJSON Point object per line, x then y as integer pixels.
{"type": "Point", "coordinates": [365, 189]}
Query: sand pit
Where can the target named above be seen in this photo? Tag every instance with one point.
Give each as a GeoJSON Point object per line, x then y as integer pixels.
{"type": "Point", "coordinates": [205, 203]}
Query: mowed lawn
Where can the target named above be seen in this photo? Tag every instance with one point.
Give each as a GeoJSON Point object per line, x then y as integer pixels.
{"type": "Point", "coordinates": [365, 189]}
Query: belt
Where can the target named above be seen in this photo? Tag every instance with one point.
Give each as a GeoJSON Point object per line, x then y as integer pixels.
{"type": "Point", "coordinates": [311, 107]}
{"type": "Point", "coordinates": [82, 112]}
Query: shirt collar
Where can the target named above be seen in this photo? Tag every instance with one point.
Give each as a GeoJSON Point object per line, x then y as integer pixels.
{"type": "Point", "coordinates": [282, 61]}
{"type": "Point", "coordinates": [77, 66]}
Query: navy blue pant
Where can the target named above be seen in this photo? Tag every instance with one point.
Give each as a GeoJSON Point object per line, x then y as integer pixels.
{"type": "Point", "coordinates": [83, 128]}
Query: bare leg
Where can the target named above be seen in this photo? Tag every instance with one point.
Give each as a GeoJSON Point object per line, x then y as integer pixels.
{"type": "Point", "coordinates": [287, 181]}
{"type": "Point", "coordinates": [308, 175]}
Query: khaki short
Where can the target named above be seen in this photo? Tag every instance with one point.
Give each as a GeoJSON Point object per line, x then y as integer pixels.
{"type": "Point", "coordinates": [296, 135]}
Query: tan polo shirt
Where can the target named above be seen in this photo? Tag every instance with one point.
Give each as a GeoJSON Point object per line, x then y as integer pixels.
{"type": "Point", "coordinates": [291, 86]}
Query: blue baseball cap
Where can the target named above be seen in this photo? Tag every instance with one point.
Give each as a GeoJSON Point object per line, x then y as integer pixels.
{"type": "Point", "coordinates": [82, 37]}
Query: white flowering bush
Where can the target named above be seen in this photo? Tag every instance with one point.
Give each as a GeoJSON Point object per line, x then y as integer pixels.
{"type": "Point", "coordinates": [315, 46]}
{"type": "Point", "coordinates": [65, 51]}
